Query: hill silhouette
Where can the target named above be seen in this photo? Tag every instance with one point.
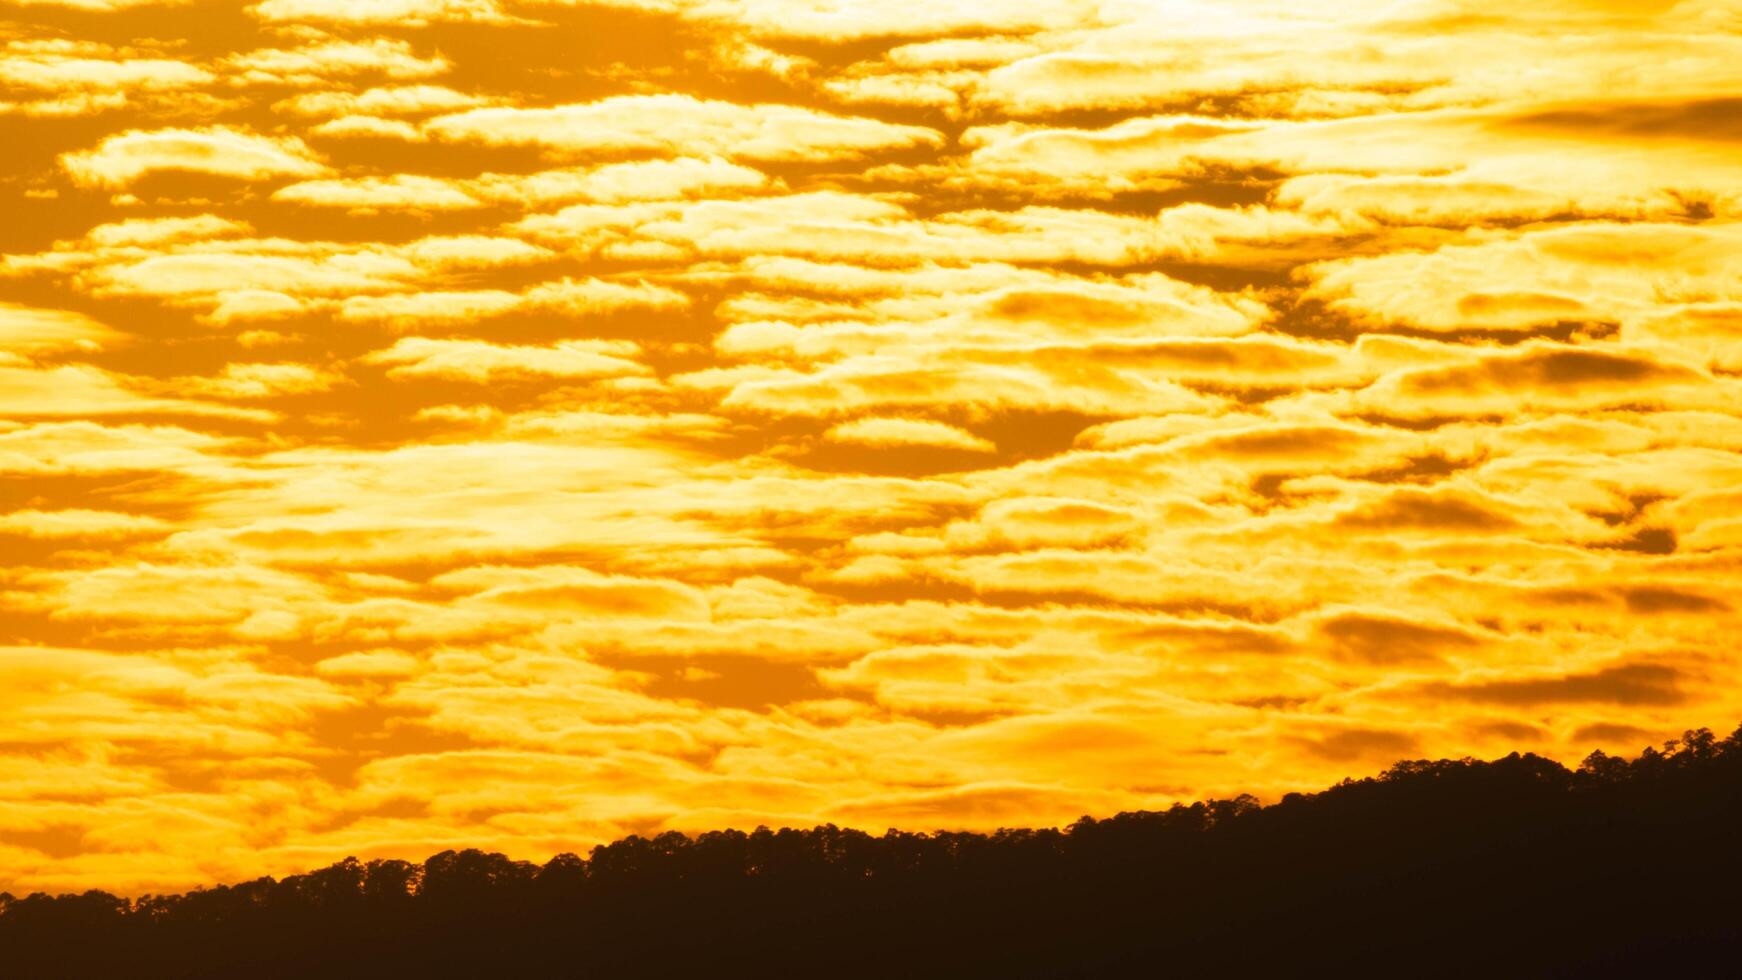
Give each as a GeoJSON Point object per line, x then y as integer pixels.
{"type": "Point", "coordinates": [1517, 867]}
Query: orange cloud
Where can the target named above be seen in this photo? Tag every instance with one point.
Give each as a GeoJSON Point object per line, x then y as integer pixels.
{"type": "Point", "coordinates": [682, 124]}
{"type": "Point", "coordinates": [220, 151]}
{"type": "Point", "coordinates": [516, 424]}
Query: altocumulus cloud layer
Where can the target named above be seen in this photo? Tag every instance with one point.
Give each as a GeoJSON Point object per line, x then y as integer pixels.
{"type": "Point", "coordinates": [514, 424]}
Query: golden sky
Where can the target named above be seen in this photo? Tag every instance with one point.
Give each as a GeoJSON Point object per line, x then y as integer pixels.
{"type": "Point", "coordinates": [521, 423]}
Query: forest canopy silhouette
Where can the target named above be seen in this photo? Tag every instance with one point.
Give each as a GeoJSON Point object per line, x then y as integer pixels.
{"type": "Point", "coordinates": [1511, 867]}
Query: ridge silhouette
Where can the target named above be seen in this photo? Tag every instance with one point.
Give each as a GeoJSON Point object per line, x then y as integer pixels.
{"type": "Point", "coordinates": [1517, 867]}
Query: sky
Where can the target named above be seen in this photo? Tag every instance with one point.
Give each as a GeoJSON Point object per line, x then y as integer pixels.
{"type": "Point", "coordinates": [518, 424]}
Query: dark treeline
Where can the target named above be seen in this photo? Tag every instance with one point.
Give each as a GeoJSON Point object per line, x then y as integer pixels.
{"type": "Point", "coordinates": [1513, 868]}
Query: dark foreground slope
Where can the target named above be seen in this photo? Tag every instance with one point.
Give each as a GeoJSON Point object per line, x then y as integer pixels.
{"type": "Point", "coordinates": [1516, 867]}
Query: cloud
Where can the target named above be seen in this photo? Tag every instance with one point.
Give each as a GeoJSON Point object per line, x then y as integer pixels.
{"type": "Point", "coordinates": [417, 426]}
{"type": "Point", "coordinates": [577, 590]}
{"type": "Point", "coordinates": [974, 386]}
{"type": "Point", "coordinates": [56, 524]}
{"type": "Point", "coordinates": [320, 61]}
{"type": "Point", "coordinates": [682, 124]}
{"type": "Point", "coordinates": [1047, 522]}
{"type": "Point", "coordinates": [368, 663]}
{"type": "Point", "coordinates": [368, 127]}
{"type": "Point", "coordinates": [1639, 684]}
{"type": "Point", "coordinates": [838, 228]}
{"type": "Point", "coordinates": [100, 6]}
{"type": "Point", "coordinates": [34, 332]}
{"type": "Point", "coordinates": [400, 191]}
{"type": "Point", "coordinates": [249, 381]}
{"type": "Point", "coordinates": [1467, 196]}
{"type": "Point", "coordinates": [478, 361]}
{"type": "Point", "coordinates": [236, 278]}
{"type": "Point", "coordinates": [164, 231]}
{"type": "Point", "coordinates": [1409, 509]}
{"type": "Point", "coordinates": [171, 594]}
{"type": "Point", "coordinates": [567, 296]}
{"type": "Point", "coordinates": [649, 180]}
{"type": "Point", "coordinates": [974, 805]}
{"type": "Point", "coordinates": [86, 447]}
{"type": "Point", "coordinates": [49, 70]}
{"type": "Point", "coordinates": [412, 12]}
{"type": "Point", "coordinates": [214, 275]}
{"type": "Point", "coordinates": [646, 180]}
{"type": "Point", "coordinates": [1705, 118]}
{"type": "Point", "coordinates": [395, 100]}
{"type": "Point", "coordinates": [888, 433]}
{"type": "Point", "coordinates": [1346, 745]}
{"type": "Point", "coordinates": [1540, 377]}
{"type": "Point", "coordinates": [1376, 638]}
{"type": "Point", "coordinates": [75, 390]}
{"type": "Point", "coordinates": [221, 151]}
{"type": "Point", "coordinates": [1582, 272]}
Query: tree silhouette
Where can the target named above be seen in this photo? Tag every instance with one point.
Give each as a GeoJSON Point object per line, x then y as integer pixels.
{"type": "Point", "coordinates": [1513, 867]}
